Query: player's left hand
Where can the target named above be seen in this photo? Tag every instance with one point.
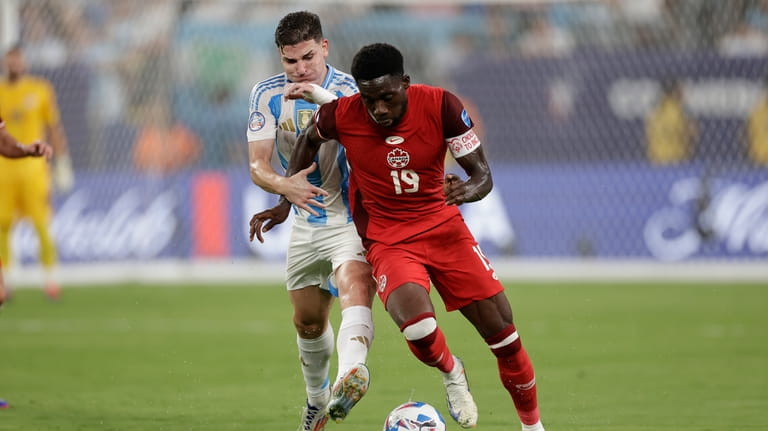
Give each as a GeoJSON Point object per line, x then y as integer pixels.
{"type": "Point", "coordinates": [39, 149]}
{"type": "Point", "coordinates": [454, 189]}
{"type": "Point", "coordinates": [273, 217]}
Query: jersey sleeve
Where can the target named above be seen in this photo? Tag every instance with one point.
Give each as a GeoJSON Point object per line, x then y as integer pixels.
{"type": "Point", "coordinates": [325, 120]}
{"type": "Point", "coordinates": [457, 127]}
{"type": "Point", "coordinates": [262, 122]}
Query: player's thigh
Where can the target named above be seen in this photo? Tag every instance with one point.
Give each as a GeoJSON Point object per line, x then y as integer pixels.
{"type": "Point", "coordinates": [10, 194]}
{"type": "Point", "coordinates": [396, 266]}
{"type": "Point", "coordinates": [461, 273]}
{"type": "Point", "coordinates": [304, 266]}
{"type": "Point", "coordinates": [351, 273]}
{"type": "Point", "coordinates": [35, 198]}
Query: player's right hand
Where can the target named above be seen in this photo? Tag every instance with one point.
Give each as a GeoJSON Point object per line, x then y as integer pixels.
{"type": "Point", "coordinates": [273, 217]}
{"type": "Point", "coordinates": [301, 192]}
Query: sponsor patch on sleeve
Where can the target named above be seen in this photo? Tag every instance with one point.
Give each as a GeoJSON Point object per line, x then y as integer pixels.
{"type": "Point", "coordinates": [465, 118]}
{"type": "Point", "coordinates": [256, 121]}
{"type": "Point", "coordinates": [463, 144]}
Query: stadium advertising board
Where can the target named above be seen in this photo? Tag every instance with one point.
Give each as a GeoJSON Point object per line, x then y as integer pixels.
{"type": "Point", "coordinates": [537, 210]}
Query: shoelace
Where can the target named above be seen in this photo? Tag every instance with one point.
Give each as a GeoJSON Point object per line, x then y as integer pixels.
{"type": "Point", "coordinates": [312, 411]}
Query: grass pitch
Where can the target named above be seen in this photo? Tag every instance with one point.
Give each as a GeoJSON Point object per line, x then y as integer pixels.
{"type": "Point", "coordinates": [619, 357]}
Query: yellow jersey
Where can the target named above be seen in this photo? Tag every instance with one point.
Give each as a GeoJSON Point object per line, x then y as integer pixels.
{"type": "Point", "coordinates": [757, 129]}
{"type": "Point", "coordinates": [668, 133]}
{"type": "Point", "coordinates": [28, 107]}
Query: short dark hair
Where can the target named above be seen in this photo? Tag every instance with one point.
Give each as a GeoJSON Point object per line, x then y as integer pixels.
{"type": "Point", "coordinates": [297, 27]}
{"type": "Point", "coordinates": [375, 60]}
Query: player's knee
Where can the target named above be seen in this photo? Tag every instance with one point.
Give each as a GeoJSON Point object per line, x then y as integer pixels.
{"type": "Point", "coordinates": [421, 327]}
{"type": "Point", "coordinates": [309, 328]}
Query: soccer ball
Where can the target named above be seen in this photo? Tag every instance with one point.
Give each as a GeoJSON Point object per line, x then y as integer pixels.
{"type": "Point", "coordinates": [414, 416]}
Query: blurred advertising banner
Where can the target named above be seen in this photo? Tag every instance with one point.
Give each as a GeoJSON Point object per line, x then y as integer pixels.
{"type": "Point", "coordinates": [536, 210]}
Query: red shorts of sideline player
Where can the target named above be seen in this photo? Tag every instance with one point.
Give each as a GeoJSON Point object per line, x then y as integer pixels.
{"type": "Point", "coordinates": [447, 254]}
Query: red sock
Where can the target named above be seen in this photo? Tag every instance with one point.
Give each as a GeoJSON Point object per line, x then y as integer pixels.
{"type": "Point", "coordinates": [516, 372]}
{"type": "Point", "coordinates": [432, 348]}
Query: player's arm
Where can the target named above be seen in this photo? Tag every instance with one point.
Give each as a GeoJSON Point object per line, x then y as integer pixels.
{"type": "Point", "coordinates": [478, 184]}
{"type": "Point", "coordinates": [9, 147]}
{"type": "Point", "coordinates": [466, 148]}
{"type": "Point", "coordinates": [297, 189]}
{"type": "Point", "coordinates": [63, 175]}
{"type": "Point", "coordinates": [260, 165]}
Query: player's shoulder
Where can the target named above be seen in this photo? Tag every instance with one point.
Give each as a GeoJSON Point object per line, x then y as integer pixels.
{"type": "Point", "coordinates": [427, 90]}
{"type": "Point", "coordinates": [340, 81]}
{"type": "Point", "coordinates": [273, 82]}
{"type": "Point", "coordinates": [268, 87]}
{"type": "Point", "coordinates": [37, 82]}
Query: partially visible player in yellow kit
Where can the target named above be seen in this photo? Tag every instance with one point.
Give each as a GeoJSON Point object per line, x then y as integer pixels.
{"type": "Point", "coordinates": [9, 147]}
{"type": "Point", "coordinates": [28, 106]}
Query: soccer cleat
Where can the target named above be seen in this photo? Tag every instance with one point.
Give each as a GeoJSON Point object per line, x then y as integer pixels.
{"type": "Point", "coordinates": [52, 290]}
{"type": "Point", "coordinates": [313, 418]}
{"type": "Point", "coordinates": [347, 391]}
{"type": "Point", "coordinates": [461, 405]}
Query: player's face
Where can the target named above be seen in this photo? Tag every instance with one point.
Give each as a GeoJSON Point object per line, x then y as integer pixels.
{"type": "Point", "coordinates": [305, 61]}
{"type": "Point", "coordinates": [14, 63]}
{"type": "Point", "coordinates": [385, 98]}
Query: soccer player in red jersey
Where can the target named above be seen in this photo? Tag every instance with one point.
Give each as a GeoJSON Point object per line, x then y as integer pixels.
{"type": "Point", "coordinates": [396, 135]}
{"type": "Point", "coordinates": [10, 148]}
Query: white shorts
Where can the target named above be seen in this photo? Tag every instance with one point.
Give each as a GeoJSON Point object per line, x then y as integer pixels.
{"type": "Point", "coordinates": [314, 253]}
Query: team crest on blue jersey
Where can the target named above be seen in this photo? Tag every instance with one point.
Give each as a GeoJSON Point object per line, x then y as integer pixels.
{"type": "Point", "coordinates": [302, 117]}
{"type": "Point", "coordinates": [465, 118]}
{"type": "Point", "coordinates": [398, 158]}
{"type": "Point", "coordinates": [256, 121]}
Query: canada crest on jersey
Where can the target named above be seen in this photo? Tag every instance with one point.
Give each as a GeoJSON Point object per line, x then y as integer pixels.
{"type": "Point", "coordinates": [302, 117]}
{"type": "Point", "coordinates": [398, 158]}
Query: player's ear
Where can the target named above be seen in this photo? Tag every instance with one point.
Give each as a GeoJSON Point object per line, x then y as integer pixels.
{"type": "Point", "coordinates": [406, 81]}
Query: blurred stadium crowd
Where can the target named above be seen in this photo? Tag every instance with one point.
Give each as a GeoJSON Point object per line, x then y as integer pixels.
{"type": "Point", "coordinates": [130, 73]}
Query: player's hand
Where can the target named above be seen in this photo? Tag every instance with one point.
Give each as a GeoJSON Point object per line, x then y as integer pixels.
{"type": "Point", "coordinates": [303, 194]}
{"type": "Point", "coordinates": [273, 217]}
{"type": "Point", "coordinates": [454, 189]}
{"type": "Point", "coordinates": [63, 175]}
{"type": "Point", "coordinates": [297, 90]}
{"type": "Point", "coordinates": [39, 149]}
{"type": "Point", "coordinates": [308, 91]}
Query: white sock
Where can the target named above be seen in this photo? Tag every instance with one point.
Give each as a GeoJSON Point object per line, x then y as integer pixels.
{"type": "Point", "coordinates": [315, 356]}
{"type": "Point", "coordinates": [355, 337]}
{"type": "Point", "coordinates": [535, 427]}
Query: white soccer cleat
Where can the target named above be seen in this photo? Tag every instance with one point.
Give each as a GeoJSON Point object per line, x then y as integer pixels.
{"type": "Point", "coordinates": [347, 391]}
{"type": "Point", "coordinates": [461, 405]}
{"type": "Point", "coordinates": [313, 418]}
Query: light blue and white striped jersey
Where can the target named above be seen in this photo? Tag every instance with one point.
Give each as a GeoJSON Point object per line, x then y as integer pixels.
{"type": "Point", "coordinates": [273, 117]}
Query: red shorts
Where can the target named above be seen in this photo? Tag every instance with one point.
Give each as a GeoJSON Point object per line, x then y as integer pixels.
{"type": "Point", "coordinates": [446, 255]}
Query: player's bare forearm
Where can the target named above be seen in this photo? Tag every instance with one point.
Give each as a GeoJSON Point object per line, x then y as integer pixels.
{"type": "Point", "coordinates": [12, 149]}
{"type": "Point", "coordinates": [478, 184]}
{"type": "Point", "coordinates": [297, 188]}
{"type": "Point", "coordinates": [260, 165]}
{"type": "Point", "coordinates": [272, 217]}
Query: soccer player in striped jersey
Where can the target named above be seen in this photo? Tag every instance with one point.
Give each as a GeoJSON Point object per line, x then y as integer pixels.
{"type": "Point", "coordinates": [325, 252]}
{"type": "Point", "coordinates": [396, 136]}
{"type": "Point", "coordinates": [11, 148]}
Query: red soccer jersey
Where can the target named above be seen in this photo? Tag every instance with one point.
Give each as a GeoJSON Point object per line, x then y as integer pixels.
{"type": "Point", "coordinates": [397, 173]}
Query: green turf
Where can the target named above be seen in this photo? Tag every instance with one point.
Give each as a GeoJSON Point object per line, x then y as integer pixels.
{"type": "Point", "coordinates": [607, 357]}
